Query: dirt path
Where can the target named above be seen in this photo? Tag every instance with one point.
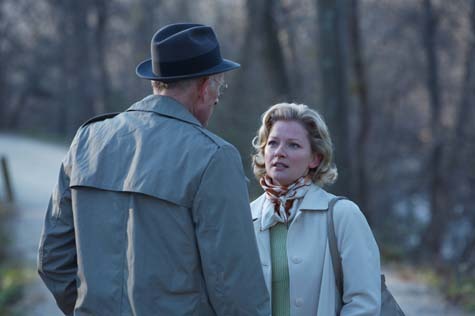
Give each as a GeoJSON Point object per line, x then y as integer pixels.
{"type": "Point", "coordinates": [34, 167]}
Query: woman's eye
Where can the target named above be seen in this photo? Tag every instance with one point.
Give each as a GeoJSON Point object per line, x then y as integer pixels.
{"type": "Point", "coordinates": [271, 143]}
{"type": "Point", "coordinates": [294, 145]}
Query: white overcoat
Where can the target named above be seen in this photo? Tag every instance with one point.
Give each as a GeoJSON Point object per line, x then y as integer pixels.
{"type": "Point", "coordinates": [312, 281]}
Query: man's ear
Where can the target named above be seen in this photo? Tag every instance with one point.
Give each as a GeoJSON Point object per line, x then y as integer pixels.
{"type": "Point", "coordinates": [203, 86]}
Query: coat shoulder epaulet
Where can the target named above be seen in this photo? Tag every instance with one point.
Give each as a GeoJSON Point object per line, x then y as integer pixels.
{"type": "Point", "coordinates": [100, 117]}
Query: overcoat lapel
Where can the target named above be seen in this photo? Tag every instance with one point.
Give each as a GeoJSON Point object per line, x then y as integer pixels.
{"type": "Point", "coordinates": [263, 242]}
{"type": "Point", "coordinates": [315, 199]}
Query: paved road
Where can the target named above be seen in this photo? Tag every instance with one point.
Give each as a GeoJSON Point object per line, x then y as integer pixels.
{"type": "Point", "coordinates": [34, 167]}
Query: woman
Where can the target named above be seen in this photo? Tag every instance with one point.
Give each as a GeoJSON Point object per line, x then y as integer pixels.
{"type": "Point", "coordinates": [293, 161]}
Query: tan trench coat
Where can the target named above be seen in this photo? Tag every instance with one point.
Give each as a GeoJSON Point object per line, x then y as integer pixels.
{"type": "Point", "coordinates": [312, 283]}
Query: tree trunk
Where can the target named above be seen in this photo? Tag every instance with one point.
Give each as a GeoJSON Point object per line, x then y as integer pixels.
{"type": "Point", "coordinates": [458, 163]}
{"type": "Point", "coordinates": [293, 68]}
{"type": "Point", "coordinates": [144, 26]}
{"type": "Point", "coordinates": [101, 7]}
{"type": "Point", "coordinates": [184, 10]}
{"type": "Point", "coordinates": [3, 97]}
{"type": "Point", "coordinates": [261, 81]}
{"type": "Point", "coordinates": [78, 84]}
{"type": "Point", "coordinates": [261, 39]}
{"type": "Point", "coordinates": [434, 233]}
{"type": "Point", "coordinates": [83, 82]}
{"type": "Point", "coordinates": [332, 57]}
{"type": "Point", "coordinates": [2, 78]}
{"type": "Point", "coordinates": [272, 52]}
{"type": "Point", "coordinates": [262, 35]}
{"type": "Point", "coordinates": [362, 139]}
{"type": "Point", "coordinates": [4, 59]}
{"type": "Point", "coordinates": [468, 85]}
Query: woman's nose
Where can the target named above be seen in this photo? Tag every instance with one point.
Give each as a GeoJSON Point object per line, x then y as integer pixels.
{"type": "Point", "coordinates": [279, 151]}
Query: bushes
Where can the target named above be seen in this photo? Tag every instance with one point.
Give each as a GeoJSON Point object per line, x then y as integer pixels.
{"type": "Point", "coordinates": [12, 277]}
{"type": "Point", "coordinates": [462, 291]}
{"type": "Point", "coordinates": [458, 287]}
{"type": "Point", "coordinates": [12, 281]}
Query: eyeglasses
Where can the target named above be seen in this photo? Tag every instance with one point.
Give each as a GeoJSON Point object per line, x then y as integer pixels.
{"type": "Point", "coordinates": [222, 86]}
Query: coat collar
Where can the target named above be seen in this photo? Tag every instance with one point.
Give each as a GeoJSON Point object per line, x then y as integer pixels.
{"type": "Point", "coordinates": [165, 106]}
{"type": "Point", "coordinates": [316, 199]}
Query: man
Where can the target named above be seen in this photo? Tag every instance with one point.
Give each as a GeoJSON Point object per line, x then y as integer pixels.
{"type": "Point", "coordinates": [150, 215]}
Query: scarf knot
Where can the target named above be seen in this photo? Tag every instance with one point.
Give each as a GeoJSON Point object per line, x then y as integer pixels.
{"type": "Point", "coordinates": [282, 198]}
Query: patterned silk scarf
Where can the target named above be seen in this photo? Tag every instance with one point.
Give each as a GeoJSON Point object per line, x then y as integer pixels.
{"type": "Point", "coordinates": [282, 199]}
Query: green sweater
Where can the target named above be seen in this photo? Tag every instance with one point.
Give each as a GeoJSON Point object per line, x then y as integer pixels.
{"type": "Point", "coordinates": [280, 271]}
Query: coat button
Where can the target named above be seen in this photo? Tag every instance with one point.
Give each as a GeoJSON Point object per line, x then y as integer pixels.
{"type": "Point", "coordinates": [296, 259]}
{"type": "Point", "coordinates": [298, 302]}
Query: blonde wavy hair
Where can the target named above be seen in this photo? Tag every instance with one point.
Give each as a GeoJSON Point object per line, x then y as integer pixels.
{"type": "Point", "coordinates": [318, 135]}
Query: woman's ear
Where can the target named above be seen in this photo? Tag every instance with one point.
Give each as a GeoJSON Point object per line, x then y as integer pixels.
{"type": "Point", "coordinates": [317, 158]}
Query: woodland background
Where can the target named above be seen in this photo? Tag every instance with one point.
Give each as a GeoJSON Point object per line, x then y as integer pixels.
{"type": "Point", "coordinates": [395, 80]}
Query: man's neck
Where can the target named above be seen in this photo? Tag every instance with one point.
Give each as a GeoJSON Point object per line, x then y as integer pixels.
{"type": "Point", "coordinates": [183, 99]}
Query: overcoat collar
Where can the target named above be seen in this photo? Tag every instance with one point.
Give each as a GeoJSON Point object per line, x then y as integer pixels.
{"type": "Point", "coordinates": [165, 106]}
{"type": "Point", "coordinates": [316, 199]}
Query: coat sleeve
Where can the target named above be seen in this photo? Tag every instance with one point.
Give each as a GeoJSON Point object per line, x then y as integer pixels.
{"type": "Point", "coordinates": [226, 240]}
{"type": "Point", "coordinates": [57, 264]}
{"type": "Point", "coordinates": [360, 262]}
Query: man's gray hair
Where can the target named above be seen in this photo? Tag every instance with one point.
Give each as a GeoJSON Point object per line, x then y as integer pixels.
{"type": "Point", "coordinates": [180, 84]}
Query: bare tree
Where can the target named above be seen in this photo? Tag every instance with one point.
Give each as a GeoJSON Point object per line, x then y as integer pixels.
{"type": "Point", "coordinates": [101, 8]}
{"type": "Point", "coordinates": [145, 23]}
{"type": "Point", "coordinates": [434, 233]}
{"type": "Point", "coordinates": [465, 107]}
{"type": "Point", "coordinates": [8, 45]}
{"type": "Point", "coordinates": [333, 61]}
{"type": "Point", "coordinates": [77, 83]}
{"type": "Point", "coordinates": [290, 20]}
{"type": "Point", "coordinates": [83, 84]}
{"type": "Point", "coordinates": [462, 149]}
{"type": "Point", "coordinates": [2, 67]}
{"type": "Point", "coordinates": [261, 81]}
{"type": "Point", "coordinates": [262, 34]}
{"type": "Point", "coordinates": [365, 113]}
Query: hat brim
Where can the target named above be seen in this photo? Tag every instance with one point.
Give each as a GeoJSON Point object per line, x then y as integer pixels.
{"type": "Point", "coordinates": [144, 71]}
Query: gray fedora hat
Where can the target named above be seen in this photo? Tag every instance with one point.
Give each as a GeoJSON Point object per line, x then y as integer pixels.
{"type": "Point", "coordinates": [183, 51]}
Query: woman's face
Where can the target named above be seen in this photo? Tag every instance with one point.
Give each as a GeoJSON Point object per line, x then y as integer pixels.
{"type": "Point", "coordinates": [288, 154]}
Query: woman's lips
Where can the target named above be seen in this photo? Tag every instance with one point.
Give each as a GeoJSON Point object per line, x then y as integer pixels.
{"type": "Point", "coordinates": [280, 165]}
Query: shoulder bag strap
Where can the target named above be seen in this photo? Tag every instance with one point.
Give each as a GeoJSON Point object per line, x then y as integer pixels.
{"type": "Point", "coordinates": [335, 254]}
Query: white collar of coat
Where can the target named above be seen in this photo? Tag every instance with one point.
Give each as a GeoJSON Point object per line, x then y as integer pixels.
{"type": "Point", "coordinates": [316, 199]}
